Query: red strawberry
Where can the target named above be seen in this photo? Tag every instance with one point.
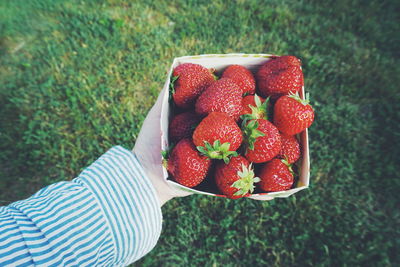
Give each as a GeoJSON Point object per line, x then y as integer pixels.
{"type": "Point", "coordinates": [263, 140]}
{"type": "Point", "coordinates": [188, 81]}
{"type": "Point", "coordinates": [182, 126]}
{"type": "Point", "coordinates": [186, 165]}
{"type": "Point", "coordinates": [254, 107]}
{"type": "Point", "coordinates": [235, 179]}
{"type": "Point", "coordinates": [280, 76]}
{"type": "Point", "coordinates": [276, 175]}
{"type": "Point", "coordinates": [223, 95]}
{"type": "Point", "coordinates": [218, 136]}
{"type": "Point", "coordinates": [242, 76]}
{"type": "Point", "coordinates": [290, 149]}
{"type": "Point", "coordinates": [292, 115]}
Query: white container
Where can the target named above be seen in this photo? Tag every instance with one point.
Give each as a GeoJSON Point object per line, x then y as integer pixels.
{"type": "Point", "coordinates": [220, 62]}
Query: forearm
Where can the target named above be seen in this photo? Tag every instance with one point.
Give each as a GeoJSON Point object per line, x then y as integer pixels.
{"type": "Point", "coordinates": [109, 215]}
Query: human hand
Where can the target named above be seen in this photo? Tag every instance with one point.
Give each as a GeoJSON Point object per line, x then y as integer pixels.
{"type": "Point", "coordinates": [148, 151]}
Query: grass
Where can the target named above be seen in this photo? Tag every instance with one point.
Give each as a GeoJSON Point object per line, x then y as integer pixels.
{"type": "Point", "coordinates": [78, 77]}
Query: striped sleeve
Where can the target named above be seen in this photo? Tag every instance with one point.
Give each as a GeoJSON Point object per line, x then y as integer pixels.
{"type": "Point", "coordinates": [108, 216]}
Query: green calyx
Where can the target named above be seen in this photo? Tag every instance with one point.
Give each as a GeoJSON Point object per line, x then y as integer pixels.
{"type": "Point", "coordinates": [217, 151]}
{"type": "Point", "coordinates": [172, 86]}
{"type": "Point", "coordinates": [296, 97]}
{"type": "Point", "coordinates": [246, 182]}
{"type": "Point", "coordinates": [251, 132]}
{"type": "Point", "coordinates": [259, 111]}
{"type": "Point", "coordinates": [165, 154]}
{"type": "Point", "coordinates": [212, 71]}
{"type": "Point", "coordinates": [286, 162]}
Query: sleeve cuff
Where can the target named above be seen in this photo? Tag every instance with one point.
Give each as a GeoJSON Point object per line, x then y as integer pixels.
{"type": "Point", "coordinates": [128, 200]}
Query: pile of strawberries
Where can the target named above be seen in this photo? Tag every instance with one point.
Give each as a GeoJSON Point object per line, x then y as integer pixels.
{"type": "Point", "coordinates": [223, 130]}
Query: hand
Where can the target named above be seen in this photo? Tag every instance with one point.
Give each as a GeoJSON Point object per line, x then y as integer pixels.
{"type": "Point", "coordinates": [148, 151]}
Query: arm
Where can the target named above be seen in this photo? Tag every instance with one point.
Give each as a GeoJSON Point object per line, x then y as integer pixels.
{"type": "Point", "coordinates": [108, 215]}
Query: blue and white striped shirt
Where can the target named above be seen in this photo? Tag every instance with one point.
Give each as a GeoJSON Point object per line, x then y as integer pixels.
{"type": "Point", "coordinates": [108, 216]}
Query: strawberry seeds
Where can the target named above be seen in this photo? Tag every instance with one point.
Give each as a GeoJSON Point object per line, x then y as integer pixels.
{"type": "Point", "coordinates": [223, 130]}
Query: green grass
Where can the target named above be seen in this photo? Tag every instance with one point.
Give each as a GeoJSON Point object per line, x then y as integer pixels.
{"type": "Point", "coordinates": [78, 77]}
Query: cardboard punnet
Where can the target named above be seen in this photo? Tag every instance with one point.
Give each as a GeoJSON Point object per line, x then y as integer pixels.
{"type": "Point", "coordinates": [220, 62]}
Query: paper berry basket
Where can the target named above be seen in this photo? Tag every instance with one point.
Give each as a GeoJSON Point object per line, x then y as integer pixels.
{"type": "Point", "coordinates": [220, 62]}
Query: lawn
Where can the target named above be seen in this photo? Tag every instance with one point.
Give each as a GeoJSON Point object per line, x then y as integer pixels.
{"type": "Point", "coordinates": [78, 77]}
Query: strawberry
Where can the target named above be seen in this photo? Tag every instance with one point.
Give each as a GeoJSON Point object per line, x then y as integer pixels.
{"type": "Point", "coordinates": [290, 149]}
{"type": "Point", "coordinates": [223, 95]}
{"type": "Point", "coordinates": [276, 175]}
{"type": "Point", "coordinates": [188, 81]}
{"type": "Point", "coordinates": [242, 76]}
{"type": "Point", "coordinates": [182, 126]}
{"type": "Point", "coordinates": [262, 139]}
{"type": "Point", "coordinates": [186, 165]}
{"type": "Point", "coordinates": [218, 136]}
{"type": "Point", "coordinates": [254, 107]}
{"type": "Point", "coordinates": [280, 76]}
{"type": "Point", "coordinates": [292, 115]}
{"type": "Point", "coordinates": [235, 179]}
